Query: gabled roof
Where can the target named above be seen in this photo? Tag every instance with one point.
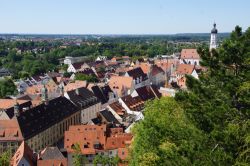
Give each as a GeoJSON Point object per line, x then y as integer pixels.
{"type": "Point", "coordinates": [148, 93]}
{"type": "Point", "coordinates": [137, 73]}
{"type": "Point", "coordinates": [50, 153]}
{"type": "Point", "coordinates": [183, 69]}
{"type": "Point", "coordinates": [189, 54]}
{"type": "Point", "coordinates": [87, 71]}
{"type": "Point", "coordinates": [119, 83]}
{"type": "Point", "coordinates": [99, 94]}
{"type": "Point", "coordinates": [145, 67]}
{"type": "Point", "coordinates": [23, 151]}
{"type": "Point", "coordinates": [156, 70]}
{"type": "Point", "coordinates": [78, 65]}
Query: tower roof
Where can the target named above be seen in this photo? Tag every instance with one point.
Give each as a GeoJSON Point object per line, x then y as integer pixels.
{"type": "Point", "coordinates": [214, 30]}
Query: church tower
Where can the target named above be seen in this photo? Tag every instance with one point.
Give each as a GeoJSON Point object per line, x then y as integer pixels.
{"type": "Point", "coordinates": [213, 40]}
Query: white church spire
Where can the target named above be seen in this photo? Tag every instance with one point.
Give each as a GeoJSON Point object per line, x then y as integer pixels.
{"type": "Point", "coordinates": [213, 40]}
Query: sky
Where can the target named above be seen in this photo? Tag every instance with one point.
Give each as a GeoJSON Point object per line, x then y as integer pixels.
{"type": "Point", "coordinates": [122, 16]}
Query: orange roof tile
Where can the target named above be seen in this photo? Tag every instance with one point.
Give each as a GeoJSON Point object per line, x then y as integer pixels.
{"type": "Point", "coordinates": [86, 136]}
{"type": "Point", "coordinates": [119, 83]}
{"type": "Point", "coordinates": [145, 67]}
{"type": "Point", "coordinates": [75, 85]}
{"type": "Point", "coordinates": [23, 151]}
{"type": "Point", "coordinates": [183, 69]}
{"type": "Point", "coordinates": [9, 130]}
{"type": "Point", "coordinates": [7, 103]}
{"type": "Point", "coordinates": [189, 54]}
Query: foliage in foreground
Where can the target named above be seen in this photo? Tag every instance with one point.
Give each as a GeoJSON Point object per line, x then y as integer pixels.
{"type": "Point", "coordinates": [5, 158]}
{"type": "Point", "coordinates": [208, 124]}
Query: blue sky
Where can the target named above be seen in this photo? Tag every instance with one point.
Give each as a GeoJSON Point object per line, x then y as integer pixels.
{"type": "Point", "coordinates": [122, 16]}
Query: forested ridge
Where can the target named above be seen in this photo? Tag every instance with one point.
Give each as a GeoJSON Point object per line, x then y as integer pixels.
{"type": "Point", "coordinates": [209, 123]}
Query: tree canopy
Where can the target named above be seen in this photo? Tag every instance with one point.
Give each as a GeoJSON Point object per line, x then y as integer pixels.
{"type": "Point", "coordinates": [7, 87]}
{"type": "Point", "coordinates": [209, 123]}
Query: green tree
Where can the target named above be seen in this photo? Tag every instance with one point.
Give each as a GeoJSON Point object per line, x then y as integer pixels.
{"type": "Point", "coordinates": [106, 160]}
{"type": "Point", "coordinates": [5, 158]}
{"type": "Point", "coordinates": [166, 136]}
{"type": "Point", "coordinates": [78, 158]}
{"type": "Point", "coordinates": [7, 87]}
{"type": "Point", "coordinates": [209, 123]}
{"type": "Point", "coordinates": [218, 103]}
{"type": "Point", "coordinates": [84, 77]}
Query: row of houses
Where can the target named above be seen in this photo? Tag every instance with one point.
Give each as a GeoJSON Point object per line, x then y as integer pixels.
{"type": "Point", "coordinates": [53, 113]}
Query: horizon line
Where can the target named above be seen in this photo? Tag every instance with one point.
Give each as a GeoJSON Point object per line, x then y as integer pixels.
{"type": "Point", "coordinates": [105, 34]}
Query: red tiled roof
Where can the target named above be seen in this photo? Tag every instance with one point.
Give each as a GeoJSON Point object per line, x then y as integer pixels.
{"type": "Point", "coordinates": [10, 130]}
{"type": "Point", "coordinates": [189, 54]}
{"type": "Point", "coordinates": [94, 138]}
{"type": "Point", "coordinates": [23, 151]}
{"type": "Point", "coordinates": [156, 70]}
{"type": "Point", "coordinates": [86, 136]}
{"type": "Point", "coordinates": [183, 69]}
{"type": "Point", "coordinates": [119, 83]}
{"type": "Point", "coordinates": [117, 107]}
{"type": "Point", "coordinates": [134, 103]}
{"type": "Point", "coordinates": [7, 103]}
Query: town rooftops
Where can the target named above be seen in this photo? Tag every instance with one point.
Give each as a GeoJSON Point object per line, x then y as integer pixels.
{"type": "Point", "coordinates": [156, 70]}
{"type": "Point", "coordinates": [74, 85]}
{"type": "Point", "coordinates": [117, 107]}
{"type": "Point", "coordinates": [82, 97]}
{"type": "Point", "coordinates": [133, 103]}
{"type": "Point", "coordinates": [145, 67]}
{"type": "Point", "coordinates": [109, 117]}
{"type": "Point", "coordinates": [50, 153]}
{"type": "Point", "coordinates": [23, 151]}
{"type": "Point", "coordinates": [189, 54]}
{"type": "Point", "coordinates": [51, 156]}
{"type": "Point", "coordinates": [148, 93]}
{"type": "Point", "coordinates": [94, 138]}
{"type": "Point", "coordinates": [120, 83]}
{"type": "Point", "coordinates": [8, 103]}
{"type": "Point", "coordinates": [183, 69]}
{"type": "Point", "coordinates": [78, 65]}
{"type": "Point", "coordinates": [91, 138]}
{"type": "Point", "coordinates": [102, 92]}
{"type": "Point", "coordinates": [22, 107]}
{"type": "Point", "coordinates": [137, 73]}
{"type": "Point", "coordinates": [10, 130]}
{"type": "Point", "coordinates": [41, 117]}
